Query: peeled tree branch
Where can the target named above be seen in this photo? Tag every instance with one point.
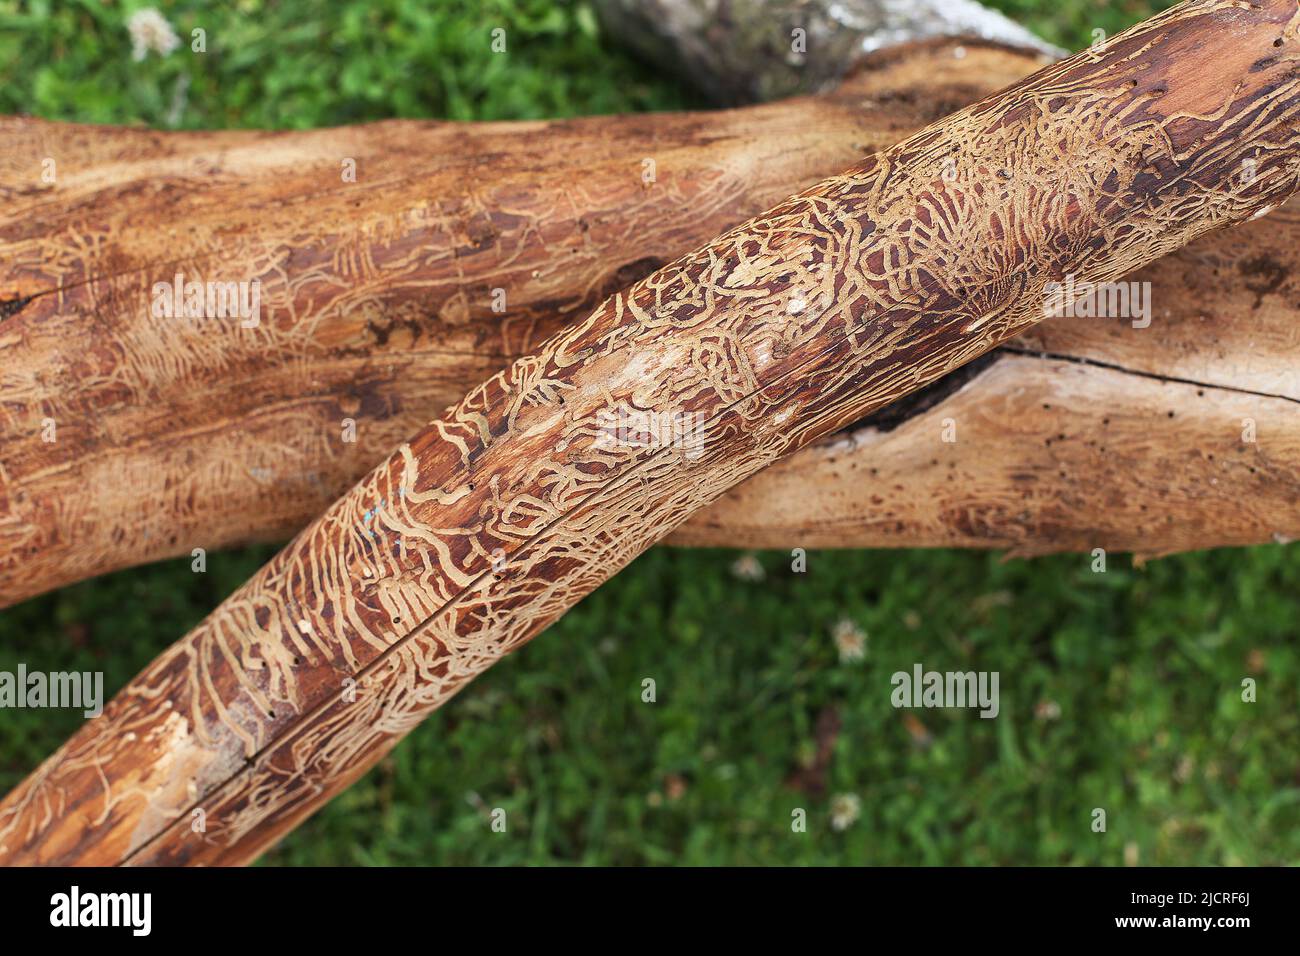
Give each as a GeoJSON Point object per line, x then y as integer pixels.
{"type": "Point", "coordinates": [175, 434]}
{"type": "Point", "coordinates": [490, 523]}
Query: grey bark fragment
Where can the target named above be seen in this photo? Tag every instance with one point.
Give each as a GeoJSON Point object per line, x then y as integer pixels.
{"type": "Point", "coordinates": [744, 51]}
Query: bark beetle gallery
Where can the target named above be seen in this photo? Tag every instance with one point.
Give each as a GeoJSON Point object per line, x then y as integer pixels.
{"type": "Point", "coordinates": [485, 525]}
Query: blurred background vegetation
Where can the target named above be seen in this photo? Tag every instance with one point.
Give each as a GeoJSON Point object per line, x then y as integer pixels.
{"type": "Point", "coordinates": [1119, 690]}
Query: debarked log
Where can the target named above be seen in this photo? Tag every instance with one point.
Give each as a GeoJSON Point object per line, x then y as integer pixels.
{"type": "Point", "coordinates": [173, 434]}
{"type": "Point", "coordinates": [493, 521]}
{"type": "Point", "coordinates": [397, 265]}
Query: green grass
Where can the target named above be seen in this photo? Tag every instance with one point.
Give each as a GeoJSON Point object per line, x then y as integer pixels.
{"type": "Point", "coordinates": [1119, 690]}
{"type": "Point", "coordinates": [298, 65]}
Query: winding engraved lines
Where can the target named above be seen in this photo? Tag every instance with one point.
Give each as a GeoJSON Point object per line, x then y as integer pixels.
{"type": "Point", "coordinates": [502, 514]}
{"type": "Point", "coordinates": [629, 503]}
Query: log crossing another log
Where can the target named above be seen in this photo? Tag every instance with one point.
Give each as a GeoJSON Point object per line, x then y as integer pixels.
{"type": "Point", "coordinates": [490, 523]}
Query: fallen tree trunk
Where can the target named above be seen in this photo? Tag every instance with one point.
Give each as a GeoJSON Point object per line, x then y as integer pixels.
{"type": "Point", "coordinates": [173, 435]}
{"type": "Point", "coordinates": [377, 297]}
{"type": "Point", "coordinates": [493, 521]}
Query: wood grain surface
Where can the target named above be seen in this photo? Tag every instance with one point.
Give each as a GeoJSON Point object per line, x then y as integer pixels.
{"type": "Point", "coordinates": [497, 517]}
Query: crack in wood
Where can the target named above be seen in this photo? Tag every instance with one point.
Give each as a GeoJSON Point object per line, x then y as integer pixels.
{"type": "Point", "coordinates": [11, 307]}
{"type": "Point", "coordinates": [1155, 376]}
